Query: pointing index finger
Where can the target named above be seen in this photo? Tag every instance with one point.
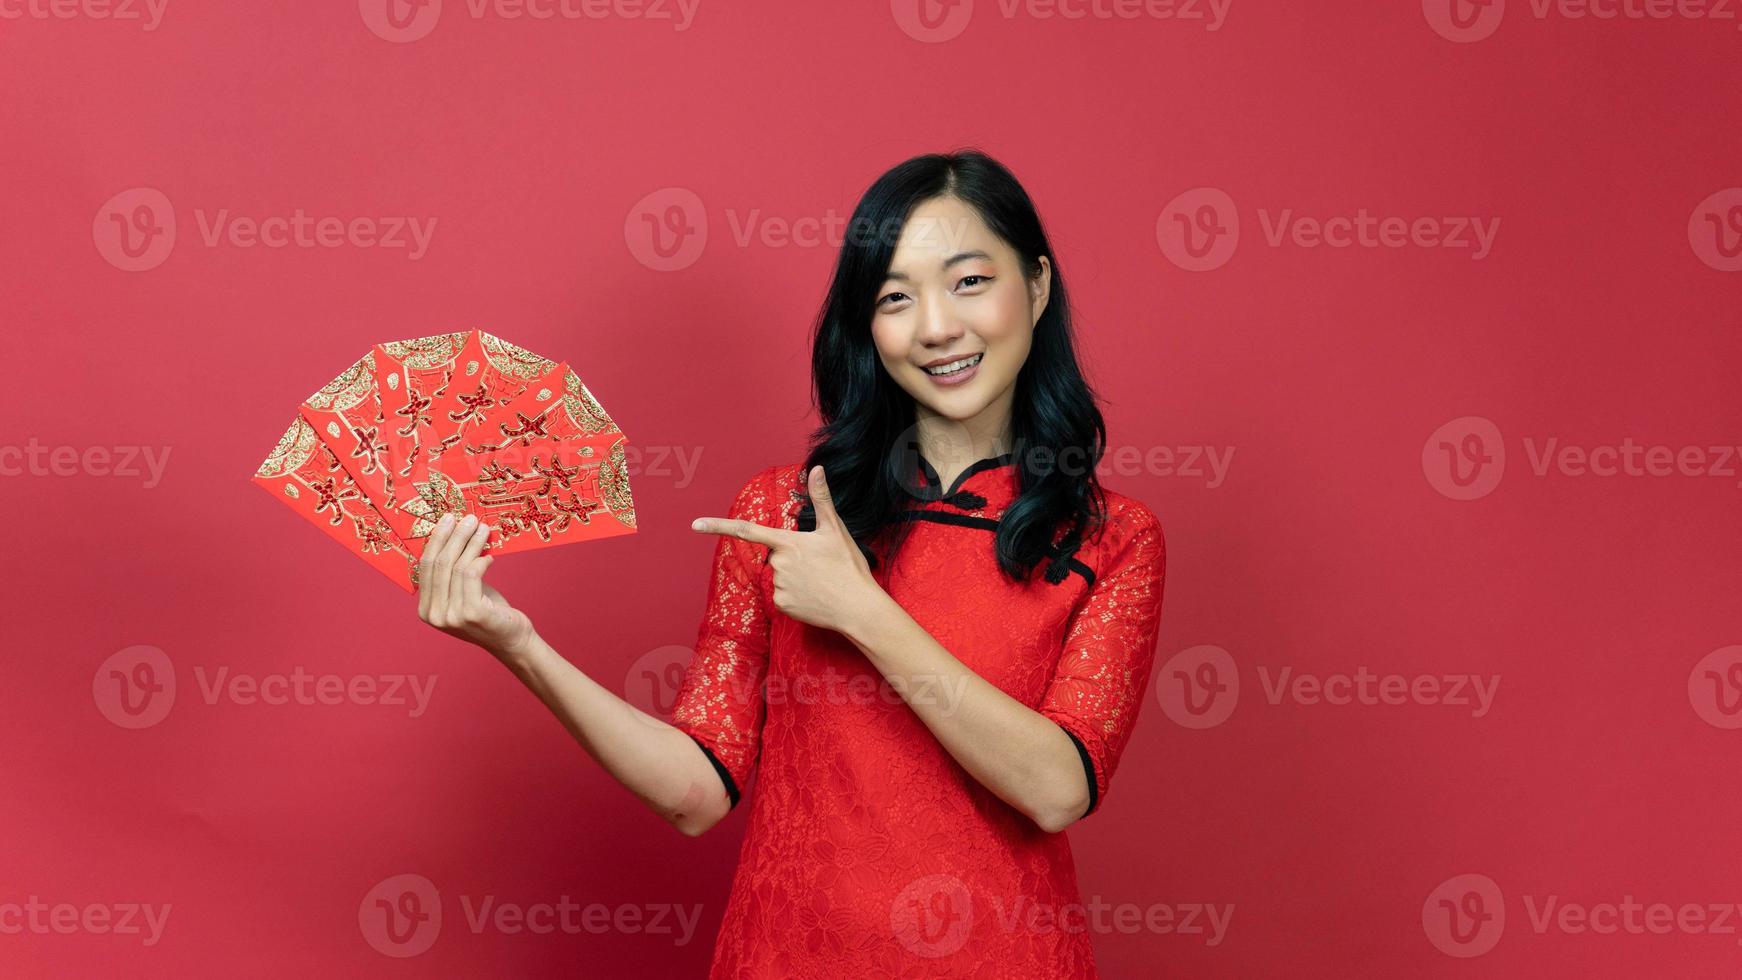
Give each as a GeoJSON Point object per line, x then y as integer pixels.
{"type": "Point", "coordinates": [743, 530]}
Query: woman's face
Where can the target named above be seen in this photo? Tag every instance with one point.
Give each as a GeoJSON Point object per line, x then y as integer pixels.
{"type": "Point", "coordinates": [956, 290]}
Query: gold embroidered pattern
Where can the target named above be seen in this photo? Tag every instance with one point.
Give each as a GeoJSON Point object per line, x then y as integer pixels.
{"type": "Point", "coordinates": [513, 360]}
{"type": "Point", "coordinates": [426, 353]}
{"type": "Point", "coordinates": [293, 449]}
{"type": "Point", "coordinates": [614, 484]}
{"type": "Point", "coordinates": [588, 415]}
{"type": "Point", "coordinates": [349, 388]}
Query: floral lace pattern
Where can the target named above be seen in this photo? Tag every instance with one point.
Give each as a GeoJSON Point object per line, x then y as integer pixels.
{"type": "Point", "coordinates": [870, 852]}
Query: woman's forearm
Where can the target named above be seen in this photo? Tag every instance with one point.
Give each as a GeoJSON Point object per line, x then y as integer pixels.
{"type": "Point", "coordinates": [1019, 754]}
{"type": "Point", "coordinates": [661, 765]}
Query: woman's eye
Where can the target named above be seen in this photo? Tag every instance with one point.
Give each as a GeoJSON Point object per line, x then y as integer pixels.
{"type": "Point", "coordinates": [971, 281]}
{"type": "Point", "coordinates": [891, 298]}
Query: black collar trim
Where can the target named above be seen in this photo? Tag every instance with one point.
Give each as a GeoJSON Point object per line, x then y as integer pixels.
{"type": "Point", "coordinates": [986, 524]}
{"type": "Point", "coordinates": [931, 485]}
{"type": "Point", "coordinates": [932, 481]}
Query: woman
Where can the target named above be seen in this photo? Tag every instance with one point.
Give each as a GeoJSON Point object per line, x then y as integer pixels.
{"type": "Point", "coordinates": [929, 641]}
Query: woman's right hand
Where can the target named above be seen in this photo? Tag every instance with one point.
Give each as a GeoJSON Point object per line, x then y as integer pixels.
{"type": "Point", "coordinates": [452, 596]}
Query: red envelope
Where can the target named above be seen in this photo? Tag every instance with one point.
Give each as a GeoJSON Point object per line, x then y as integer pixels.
{"type": "Point", "coordinates": [304, 472]}
{"type": "Point", "coordinates": [460, 422]}
{"type": "Point", "coordinates": [533, 496]}
{"type": "Point", "coordinates": [346, 412]}
{"type": "Point", "coordinates": [546, 410]}
{"type": "Point", "coordinates": [411, 374]}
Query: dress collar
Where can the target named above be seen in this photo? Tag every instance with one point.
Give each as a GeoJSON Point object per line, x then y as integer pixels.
{"type": "Point", "coordinates": [925, 485]}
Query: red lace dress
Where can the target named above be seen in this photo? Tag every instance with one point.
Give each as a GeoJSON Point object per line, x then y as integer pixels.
{"type": "Point", "coordinates": [870, 852]}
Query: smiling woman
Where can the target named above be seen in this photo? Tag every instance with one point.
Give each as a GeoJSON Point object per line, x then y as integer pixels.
{"type": "Point", "coordinates": [946, 540]}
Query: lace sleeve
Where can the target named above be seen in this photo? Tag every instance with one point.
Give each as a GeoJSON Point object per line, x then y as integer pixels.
{"type": "Point", "coordinates": [720, 703]}
{"type": "Point", "coordinates": [1109, 648]}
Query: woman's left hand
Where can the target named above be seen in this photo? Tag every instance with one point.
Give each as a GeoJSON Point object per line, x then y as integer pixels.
{"type": "Point", "coordinates": [820, 576]}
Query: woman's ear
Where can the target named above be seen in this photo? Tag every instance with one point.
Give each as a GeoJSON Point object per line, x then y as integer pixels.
{"type": "Point", "coordinates": [1040, 288]}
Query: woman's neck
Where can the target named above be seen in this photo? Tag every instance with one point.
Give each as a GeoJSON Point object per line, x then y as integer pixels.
{"type": "Point", "coordinates": [951, 447]}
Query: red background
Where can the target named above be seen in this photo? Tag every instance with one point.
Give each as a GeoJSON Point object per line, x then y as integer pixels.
{"type": "Point", "coordinates": [1327, 547]}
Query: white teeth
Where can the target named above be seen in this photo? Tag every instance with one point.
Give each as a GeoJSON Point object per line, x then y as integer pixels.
{"type": "Point", "coordinates": [954, 366]}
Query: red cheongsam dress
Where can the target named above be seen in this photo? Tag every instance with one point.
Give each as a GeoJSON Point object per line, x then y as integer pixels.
{"type": "Point", "coordinates": [870, 852]}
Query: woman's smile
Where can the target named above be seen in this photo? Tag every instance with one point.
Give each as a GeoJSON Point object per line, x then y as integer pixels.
{"type": "Point", "coordinates": [957, 372]}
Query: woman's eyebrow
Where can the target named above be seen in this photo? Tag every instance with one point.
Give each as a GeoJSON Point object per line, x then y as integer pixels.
{"type": "Point", "coordinates": [952, 260]}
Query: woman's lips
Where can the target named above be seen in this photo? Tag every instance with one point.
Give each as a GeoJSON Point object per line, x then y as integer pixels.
{"type": "Point", "coordinates": [958, 378]}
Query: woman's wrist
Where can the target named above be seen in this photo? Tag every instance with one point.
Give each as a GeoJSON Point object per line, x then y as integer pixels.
{"type": "Point", "coordinates": [522, 653]}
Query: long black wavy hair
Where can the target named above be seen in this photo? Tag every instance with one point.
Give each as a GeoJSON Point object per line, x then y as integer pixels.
{"type": "Point", "coordinates": [866, 441]}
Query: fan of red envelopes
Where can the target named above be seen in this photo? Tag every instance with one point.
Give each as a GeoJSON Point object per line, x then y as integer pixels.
{"type": "Point", "coordinates": [460, 423]}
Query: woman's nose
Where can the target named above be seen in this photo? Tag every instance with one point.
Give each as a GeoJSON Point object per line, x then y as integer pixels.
{"type": "Point", "coordinates": [938, 324]}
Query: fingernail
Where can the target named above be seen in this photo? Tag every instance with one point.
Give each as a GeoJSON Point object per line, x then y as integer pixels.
{"type": "Point", "coordinates": [447, 520]}
{"type": "Point", "coordinates": [697, 524]}
{"type": "Point", "coordinates": [470, 520]}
